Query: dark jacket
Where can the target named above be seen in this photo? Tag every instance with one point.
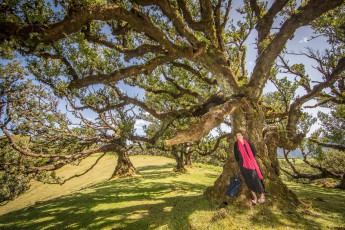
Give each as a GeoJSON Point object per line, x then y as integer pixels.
{"type": "Point", "coordinates": [237, 153]}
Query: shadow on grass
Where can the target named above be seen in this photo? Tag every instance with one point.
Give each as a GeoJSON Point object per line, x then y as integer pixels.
{"type": "Point", "coordinates": [327, 202]}
{"type": "Point", "coordinates": [271, 215]}
{"type": "Point", "coordinates": [212, 175]}
{"type": "Point", "coordinates": [142, 202]}
{"type": "Point", "coordinates": [266, 218]}
{"type": "Point", "coordinates": [156, 199]}
{"type": "Point", "coordinates": [165, 167]}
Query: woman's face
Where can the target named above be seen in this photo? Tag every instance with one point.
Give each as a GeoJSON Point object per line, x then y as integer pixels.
{"type": "Point", "coordinates": [239, 136]}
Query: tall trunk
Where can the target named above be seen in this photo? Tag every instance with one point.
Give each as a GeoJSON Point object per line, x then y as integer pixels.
{"type": "Point", "coordinates": [188, 161]}
{"type": "Point", "coordinates": [188, 157]}
{"type": "Point", "coordinates": [251, 121]}
{"type": "Point", "coordinates": [124, 167]}
{"type": "Point", "coordinates": [341, 185]}
{"type": "Point", "coordinates": [179, 162]}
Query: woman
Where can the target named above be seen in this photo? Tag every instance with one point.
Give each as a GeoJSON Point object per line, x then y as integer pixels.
{"type": "Point", "coordinates": [245, 156]}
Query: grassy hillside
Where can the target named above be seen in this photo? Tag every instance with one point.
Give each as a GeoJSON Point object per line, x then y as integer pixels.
{"type": "Point", "coordinates": [160, 199]}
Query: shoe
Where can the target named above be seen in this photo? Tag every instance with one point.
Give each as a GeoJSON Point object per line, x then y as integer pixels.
{"type": "Point", "coordinates": [254, 202]}
{"type": "Point", "coordinates": [261, 200]}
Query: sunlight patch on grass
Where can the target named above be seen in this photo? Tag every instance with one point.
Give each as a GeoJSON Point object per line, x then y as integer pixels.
{"type": "Point", "coordinates": [116, 225]}
{"type": "Point", "coordinates": [60, 209]}
{"type": "Point", "coordinates": [111, 218]}
{"type": "Point", "coordinates": [210, 168]}
{"type": "Point", "coordinates": [144, 160]}
{"type": "Point", "coordinates": [51, 226]}
{"type": "Point", "coordinates": [43, 219]}
{"type": "Point", "coordinates": [124, 204]}
{"type": "Point", "coordinates": [163, 227]}
{"type": "Point", "coordinates": [200, 219]}
{"type": "Point", "coordinates": [71, 226]}
{"type": "Point", "coordinates": [139, 214]}
{"type": "Point", "coordinates": [167, 209]}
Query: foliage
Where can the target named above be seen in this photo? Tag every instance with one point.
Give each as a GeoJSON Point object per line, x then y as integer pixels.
{"type": "Point", "coordinates": [13, 182]}
{"type": "Point", "coordinates": [323, 151]}
{"type": "Point", "coordinates": [332, 126]}
{"type": "Point", "coordinates": [330, 160]}
{"type": "Point", "coordinates": [331, 25]}
{"type": "Point", "coordinates": [12, 185]}
{"type": "Point", "coordinates": [334, 160]}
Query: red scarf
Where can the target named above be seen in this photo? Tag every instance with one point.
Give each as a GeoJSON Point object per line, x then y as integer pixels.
{"type": "Point", "coordinates": [249, 161]}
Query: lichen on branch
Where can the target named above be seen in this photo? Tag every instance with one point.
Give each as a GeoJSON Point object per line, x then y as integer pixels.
{"type": "Point", "coordinates": [206, 123]}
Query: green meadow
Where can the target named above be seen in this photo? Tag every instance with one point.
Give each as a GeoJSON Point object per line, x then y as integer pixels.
{"type": "Point", "coordinates": [158, 198]}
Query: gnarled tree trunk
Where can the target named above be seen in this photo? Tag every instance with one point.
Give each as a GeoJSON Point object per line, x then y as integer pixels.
{"type": "Point", "coordinates": [188, 158]}
{"type": "Point", "coordinates": [124, 167]}
{"type": "Point", "coordinates": [341, 185]}
{"type": "Point", "coordinates": [251, 121]}
{"type": "Point", "coordinates": [178, 155]}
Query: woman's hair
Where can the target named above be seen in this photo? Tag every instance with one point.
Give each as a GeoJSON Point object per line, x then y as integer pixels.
{"type": "Point", "coordinates": [244, 134]}
{"type": "Point", "coordinates": [239, 131]}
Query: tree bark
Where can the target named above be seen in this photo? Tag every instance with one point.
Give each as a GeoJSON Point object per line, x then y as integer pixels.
{"type": "Point", "coordinates": [250, 120]}
{"type": "Point", "coordinates": [188, 158]}
{"type": "Point", "coordinates": [124, 167]}
{"type": "Point", "coordinates": [341, 185]}
{"type": "Point", "coordinates": [179, 162]}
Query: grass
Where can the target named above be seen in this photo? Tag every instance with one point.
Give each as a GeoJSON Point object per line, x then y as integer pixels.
{"type": "Point", "coordinates": [161, 199]}
{"type": "Point", "coordinates": [325, 206]}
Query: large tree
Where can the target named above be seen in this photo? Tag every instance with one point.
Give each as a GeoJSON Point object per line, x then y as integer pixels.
{"type": "Point", "coordinates": [137, 42]}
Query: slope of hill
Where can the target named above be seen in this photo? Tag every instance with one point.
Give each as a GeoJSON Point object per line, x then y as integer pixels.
{"type": "Point", "coordinates": [40, 192]}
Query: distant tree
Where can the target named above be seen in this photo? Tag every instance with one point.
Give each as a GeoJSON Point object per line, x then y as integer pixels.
{"type": "Point", "coordinates": [56, 138]}
{"type": "Point", "coordinates": [331, 133]}
{"type": "Point", "coordinates": [158, 147]}
{"type": "Point", "coordinates": [13, 181]}
{"type": "Point", "coordinates": [213, 150]}
{"type": "Point", "coordinates": [188, 156]}
{"type": "Point", "coordinates": [135, 42]}
{"type": "Point", "coordinates": [167, 93]}
{"type": "Point", "coordinates": [324, 150]}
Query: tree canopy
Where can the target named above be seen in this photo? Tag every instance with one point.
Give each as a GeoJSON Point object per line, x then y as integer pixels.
{"type": "Point", "coordinates": [189, 60]}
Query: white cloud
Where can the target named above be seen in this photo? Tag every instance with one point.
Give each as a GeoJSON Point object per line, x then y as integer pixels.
{"type": "Point", "coordinates": [140, 122]}
{"type": "Point", "coordinates": [138, 126]}
{"type": "Point", "coordinates": [304, 40]}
